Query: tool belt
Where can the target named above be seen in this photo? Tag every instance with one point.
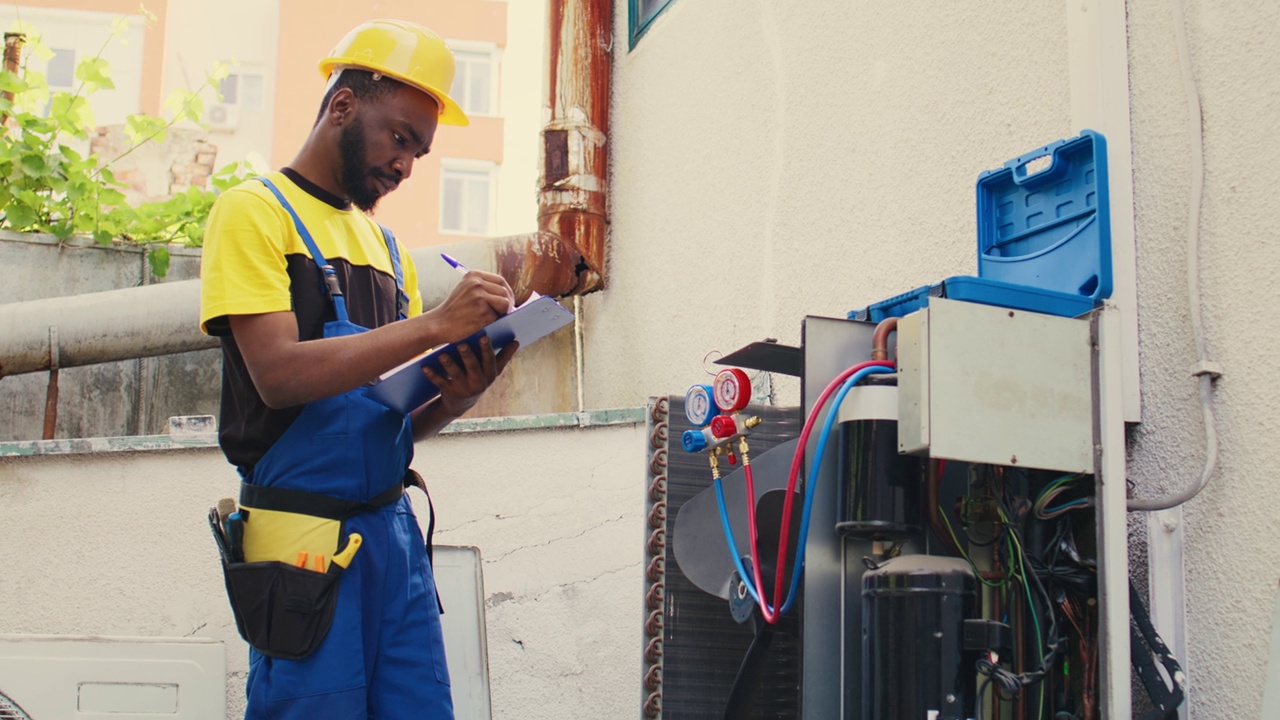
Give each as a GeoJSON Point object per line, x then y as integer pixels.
{"type": "Point", "coordinates": [283, 554]}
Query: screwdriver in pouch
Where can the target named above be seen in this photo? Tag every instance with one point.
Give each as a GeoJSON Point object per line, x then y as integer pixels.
{"type": "Point", "coordinates": [235, 532]}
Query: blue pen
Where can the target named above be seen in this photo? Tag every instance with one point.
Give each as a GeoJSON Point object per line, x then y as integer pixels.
{"type": "Point", "coordinates": [464, 270]}
{"type": "Point", "coordinates": [456, 265]}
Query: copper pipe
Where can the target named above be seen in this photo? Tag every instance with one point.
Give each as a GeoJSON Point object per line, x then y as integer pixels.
{"type": "Point", "coordinates": [880, 338]}
{"type": "Point", "coordinates": [573, 173]}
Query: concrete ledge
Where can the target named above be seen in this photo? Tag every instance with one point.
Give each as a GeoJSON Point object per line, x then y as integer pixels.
{"type": "Point", "coordinates": [151, 443]}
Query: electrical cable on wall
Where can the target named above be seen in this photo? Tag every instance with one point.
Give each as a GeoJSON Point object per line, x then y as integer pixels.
{"type": "Point", "coordinates": [1205, 371]}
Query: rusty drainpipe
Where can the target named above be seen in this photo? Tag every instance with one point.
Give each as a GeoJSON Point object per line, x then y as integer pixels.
{"type": "Point", "coordinates": [567, 256]}
{"type": "Point", "coordinates": [12, 57]}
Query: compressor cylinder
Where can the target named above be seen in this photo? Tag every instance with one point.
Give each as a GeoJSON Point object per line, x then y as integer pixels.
{"type": "Point", "coordinates": [914, 664]}
{"type": "Point", "coordinates": [879, 490]}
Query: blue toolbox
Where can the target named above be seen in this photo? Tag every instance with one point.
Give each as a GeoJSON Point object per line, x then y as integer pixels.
{"type": "Point", "coordinates": [1044, 236]}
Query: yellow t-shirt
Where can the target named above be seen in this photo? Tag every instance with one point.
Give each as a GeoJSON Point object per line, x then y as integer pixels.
{"type": "Point", "coordinates": [254, 262]}
{"type": "Point", "coordinates": [253, 254]}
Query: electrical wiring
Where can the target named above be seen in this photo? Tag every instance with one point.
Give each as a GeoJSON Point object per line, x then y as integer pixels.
{"type": "Point", "coordinates": [1004, 680]}
{"type": "Point", "coordinates": [1021, 574]}
{"type": "Point", "coordinates": [976, 573]}
{"type": "Point", "coordinates": [1019, 562]}
{"type": "Point", "coordinates": [1052, 491]}
{"type": "Point", "coordinates": [785, 531]}
{"type": "Point", "coordinates": [1050, 513]}
{"type": "Point", "coordinates": [1061, 564]}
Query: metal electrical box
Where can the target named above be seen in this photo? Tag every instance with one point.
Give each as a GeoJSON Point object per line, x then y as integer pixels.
{"type": "Point", "coordinates": [987, 384]}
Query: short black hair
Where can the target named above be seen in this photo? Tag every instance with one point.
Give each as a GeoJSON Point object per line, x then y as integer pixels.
{"type": "Point", "coordinates": [363, 86]}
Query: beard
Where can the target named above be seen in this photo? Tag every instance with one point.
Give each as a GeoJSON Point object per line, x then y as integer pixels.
{"type": "Point", "coordinates": [356, 176]}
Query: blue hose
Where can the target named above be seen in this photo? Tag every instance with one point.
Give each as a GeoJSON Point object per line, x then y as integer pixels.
{"type": "Point", "coordinates": [733, 546]}
{"type": "Point", "coordinates": [811, 485]}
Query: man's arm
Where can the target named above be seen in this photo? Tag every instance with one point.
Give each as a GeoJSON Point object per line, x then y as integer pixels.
{"type": "Point", "coordinates": [288, 372]}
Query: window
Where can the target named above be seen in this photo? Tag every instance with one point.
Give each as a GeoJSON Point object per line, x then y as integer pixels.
{"type": "Point", "coordinates": [642, 14]}
{"type": "Point", "coordinates": [62, 69]}
{"type": "Point", "coordinates": [243, 90]}
{"type": "Point", "coordinates": [466, 197]}
{"type": "Point", "coordinates": [474, 85]}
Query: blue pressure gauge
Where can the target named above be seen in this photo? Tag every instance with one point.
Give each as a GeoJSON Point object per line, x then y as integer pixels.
{"type": "Point", "coordinates": [699, 407]}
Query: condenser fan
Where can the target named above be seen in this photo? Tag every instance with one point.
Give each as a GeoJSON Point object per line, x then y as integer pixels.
{"type": "Point", "coordinates": [702, 551]}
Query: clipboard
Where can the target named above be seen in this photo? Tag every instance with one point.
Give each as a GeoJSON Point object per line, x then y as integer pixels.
{"type": "Point", "coordinates": [405, 388]}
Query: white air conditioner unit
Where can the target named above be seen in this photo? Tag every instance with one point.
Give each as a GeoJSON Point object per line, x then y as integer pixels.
{"type": "Point", "coordinates": [222, 117]}
{"type": "Point", "coordinates": [44, 677]}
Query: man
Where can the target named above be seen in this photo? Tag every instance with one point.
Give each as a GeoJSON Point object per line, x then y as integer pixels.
{"type": "Point", "coordinates": [313, 301]}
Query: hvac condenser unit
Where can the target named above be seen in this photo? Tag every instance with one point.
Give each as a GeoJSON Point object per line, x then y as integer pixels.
{"type": "Point", "coordinates": [46, 677]}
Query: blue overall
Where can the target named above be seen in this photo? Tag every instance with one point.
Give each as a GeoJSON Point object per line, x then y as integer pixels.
{"type": "Point", "coordinates": [384, 654]}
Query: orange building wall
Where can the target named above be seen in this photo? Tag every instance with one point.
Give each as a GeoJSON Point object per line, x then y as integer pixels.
{"type": "Point", "coordinates": [309, 29]}
{"type": "Point", "coordinates": [153, 48]}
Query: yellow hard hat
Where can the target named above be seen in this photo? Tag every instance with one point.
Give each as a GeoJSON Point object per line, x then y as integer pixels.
{"type": "Point", "coordinates": [405, 51]}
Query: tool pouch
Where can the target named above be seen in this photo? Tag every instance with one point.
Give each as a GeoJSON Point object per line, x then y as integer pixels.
{"type": "Point", "coordinates": [282, 611]}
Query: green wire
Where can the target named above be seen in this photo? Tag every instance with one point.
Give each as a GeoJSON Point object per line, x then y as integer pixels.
{"type": "Point", "coordinates": [1031, 605]}
{"type": "Point", "coordinates": [956, 540]}
{"type": "Point", "coordinates": [1056, 483]}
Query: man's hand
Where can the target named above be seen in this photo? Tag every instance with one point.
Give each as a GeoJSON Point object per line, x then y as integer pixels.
{"type": "Point", "coordinates": [463, 384]}
{"type": "Point", "coordinates": [477, 300]}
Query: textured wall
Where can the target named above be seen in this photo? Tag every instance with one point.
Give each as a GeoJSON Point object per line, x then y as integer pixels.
{"type": "Point", "coordinates": [117, 544]}
{"type": "Point", "coordinates": [1232, 553]}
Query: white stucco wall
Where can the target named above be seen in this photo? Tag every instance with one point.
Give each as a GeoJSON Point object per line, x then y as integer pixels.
{"type": "Point", "coordinates": [1232, 553]}
{"type": "Point", "coordinates": [116, 543]}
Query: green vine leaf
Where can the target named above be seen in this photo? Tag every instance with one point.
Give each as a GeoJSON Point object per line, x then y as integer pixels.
{"type": "Point", "coordinates": [20, 216]}
{"type": "Point", "coordinates": [34, 166]}
{"type": "Point", "coordinates": [158, 259]}
{"type": "Point", "coordinates": [73, 113]}
{"type": "Point", "coordinates": [94, 74]}
{"type": "Point", "coordinates": [11, 83]}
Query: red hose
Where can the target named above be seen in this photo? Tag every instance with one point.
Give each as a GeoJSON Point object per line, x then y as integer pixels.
{"type": "Point", "coordinates": [770, 614]}
{"type": "Point", "coordinates": [796, 461]}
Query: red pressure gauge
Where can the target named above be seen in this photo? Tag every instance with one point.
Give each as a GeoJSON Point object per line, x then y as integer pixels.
{"type": "Point", "coordinates": [732, 390]}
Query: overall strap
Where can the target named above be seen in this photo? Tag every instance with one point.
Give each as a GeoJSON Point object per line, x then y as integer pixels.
{"type": "Point", "coordinates": [330, 277]}
{"type": "Point", "coordinates": [402, 299]}
{"type": "Point", "coordinates": [265, 497]}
